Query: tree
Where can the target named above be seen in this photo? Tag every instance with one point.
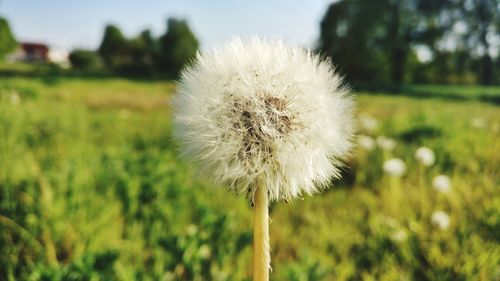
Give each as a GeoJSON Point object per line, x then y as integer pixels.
{"type": "Point", "coordinates": [177, 46]}
{"type": "Point", "coordinates": [372, 40]}
{"type": "Point", "coordinates": [482, 18]}
{"type": "Point", "coordinates": [85, 60]}
{"type": "Point", "coordinates": [7, 41]}
{"type": "Point", "coordinates": [114, 48]}
{"type": "Point", "coordinates": [143, 49]}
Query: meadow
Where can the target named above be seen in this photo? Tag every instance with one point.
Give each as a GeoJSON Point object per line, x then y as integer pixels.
{"type": "Point", "coordinates": [92, 188]}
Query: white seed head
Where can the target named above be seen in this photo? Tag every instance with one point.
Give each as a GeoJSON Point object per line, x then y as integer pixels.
{"type": "Point", "coordinates": [440, 219]}
{"type": "Point", "coordinates": [399, 236]}
{"type": "Point", "coordinates": [395, 167]}
{"type": "Point", "coordinates": [425, 156]}
{"type": "Point", "coordinates": [15, 99]}
{"type": "Point", "coordinates": [478, 122]}
{"type": "Point", "coordinates": [204, 252]}
{"type": "Point", "coordinates": [442, 183]}
{"type": "Point", "coordinates": [386, 143]}
{"type": "Point", "coordinates": [366, 142]}
{"type": "Point", "coordinates": [368, 122]}
{"type": "Point", "coordinates": [258, 112]}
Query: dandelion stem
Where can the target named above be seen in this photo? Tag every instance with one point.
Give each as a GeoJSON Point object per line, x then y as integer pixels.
{"type": "Point", "coordinates": [261, 256]}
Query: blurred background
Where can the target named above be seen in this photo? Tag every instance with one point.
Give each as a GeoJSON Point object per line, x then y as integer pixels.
{"type": "Point", "coordinates": [92, 187]}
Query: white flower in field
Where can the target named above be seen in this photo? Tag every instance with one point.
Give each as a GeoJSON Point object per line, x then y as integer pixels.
{"type": "Point", "coordinates": [191, 230]}
{"type": "Point", "coordinates": [366, 142]}
{"type": "Point", "coordinates": [257, 112]}
{"type": "Point", "coordinates": [425, 156]}
{"type": "Point", "coordinates": [368, 122]}
{"type": "Point", "coordinates": [395, 167]}
{"type": "Point", "coordinates": [386, 143]}
{"type": "Point", "coordinates": [478, 122]}
{"type": "Point", "coordinates": [440, 219]}
{"type": "Point", "coordinates": [399, 236]}
{"type": "Point", "coordinates": [15, 99]}
{"type": "Point", "coordinates": [204, 252]}
{"type": "Point", "coordinates": [441, 183]}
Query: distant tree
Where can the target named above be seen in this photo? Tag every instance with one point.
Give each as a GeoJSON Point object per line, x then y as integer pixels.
{"type": "Point", "coordinates": [114, 48]}
{"type": "Point", "coordinates": [482, 18]}
{"type": "Point", "coordinates": [7, 41]}
{"type": "Point", "coordinates": [177, 46]}
{"type": "Point", "coordinates": [143, 50]}
{"type": "Point", "coordinates": [85, 59]}
{"type": "Point", "coordinates": [372, 40]}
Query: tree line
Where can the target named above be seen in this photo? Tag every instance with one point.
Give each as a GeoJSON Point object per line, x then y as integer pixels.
{"type": "Point", "coordinates": [143, 54]}
{"type": "Point", "coordinates": [377, 42]}
{"type": "Point", "coordinates": [373, 43]}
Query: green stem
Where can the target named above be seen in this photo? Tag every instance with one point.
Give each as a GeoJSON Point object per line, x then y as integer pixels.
{"type": "Point", "coordinates": [261, 256]}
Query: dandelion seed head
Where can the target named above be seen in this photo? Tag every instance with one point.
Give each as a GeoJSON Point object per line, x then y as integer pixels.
{"type": "Point", "coordinates": [425, 156]}
{"type": "Point", "coordinates": [386, 143]}
{"type": "Point", "coordinates": [366, 142]}
{"type": "Point", "coordinates": [15, 99]}
{"type": "Point", "coordinates": [395, 167]}
{"type": "Point", "coordinates": [368, 122]}
{"type": "Point", "coordinates": [441, 183]}
{"type": "Point", "coordinates": [399, 236]}
{"type": "Point", "coordinates": [440, 219]}
{"type": "Point", "coordinates": [257, 112]}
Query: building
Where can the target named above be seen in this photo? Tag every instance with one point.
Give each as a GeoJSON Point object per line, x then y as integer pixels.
{"type": "Point", "coordinates": [39, 53]}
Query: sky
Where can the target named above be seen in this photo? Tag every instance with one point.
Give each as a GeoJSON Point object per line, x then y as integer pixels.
{"type": "Point", "coordinates": [73, 24]}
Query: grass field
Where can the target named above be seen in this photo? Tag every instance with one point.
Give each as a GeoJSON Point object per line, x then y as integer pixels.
{"type": "Point", "coordinates": [91, 188]}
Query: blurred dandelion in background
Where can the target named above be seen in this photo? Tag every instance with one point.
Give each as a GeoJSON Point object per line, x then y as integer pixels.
{"type": "Point", "coordinates": [440, 219]}
{"type": "Point", "coordinates": [368, 122]}
{"type": "Point", "coordinates": [425, 156]}
{"type": "Point", "coordinates": [15, 99]}
{"type": "Point", "coordinates": [478, 122]}
{"type": "Point", "coordinates": [441, 183]}
{"type": "Point", "coordinates": [366, 142]}
{"type": "Point", "coordinates": [395, 167]}
{"type": "Point", "coordinates": [399, 236]}
{"type": "Point", "coordinates": [386, 143]}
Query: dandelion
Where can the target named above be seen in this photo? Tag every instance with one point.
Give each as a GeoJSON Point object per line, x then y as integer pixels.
{"type": "Point", "coordinates": [191, 230]}
{"type": "Point", "coordinates": [204, 252]}
{"type": "Point", "coordinates": [386, 143]}
{"type": "Point", "coordinates": [440, 219]}
{"type": "Point", "coordinates": [15, 99]}
{"type": "Point", "coordinates": [266, 120]}
{"type": "Point", "coordinates": [425, 156]}
{"type": "Point", "coordinates": [399, 236]}
{"type": "Point", "coordinates": [395, 167]}
{"type": "Point", "coordinates": [442, 184]}
{"type": "Point", "coordinates": [478, 122]}
{"type": "Point", "coordinates": [366, 142]}
{"type": "Point", "coordinates": [368, 122]}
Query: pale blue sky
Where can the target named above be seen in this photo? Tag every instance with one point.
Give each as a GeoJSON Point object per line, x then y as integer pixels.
{"type": "Point", "coordinates": [80, 23]}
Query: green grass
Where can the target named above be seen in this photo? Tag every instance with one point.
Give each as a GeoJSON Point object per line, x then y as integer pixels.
{"type": "Point", "coordinates": [91, 188]}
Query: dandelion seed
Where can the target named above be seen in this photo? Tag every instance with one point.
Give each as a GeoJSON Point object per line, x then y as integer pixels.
{"type": "Point", "coordinates": [366, 142]}
{"type": "Point", "coordinates": [442, 183]}
{"type": "Point", "coordinates": [386, 143]}
{"type": "Point", "coordinates": [395, 167]}
{"type": "Point", "coordinates": [266, 120]}
{"type": "Point", "coordinates": [440, 219]}
{"type": "Point", "coordinates": [425, 156]}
